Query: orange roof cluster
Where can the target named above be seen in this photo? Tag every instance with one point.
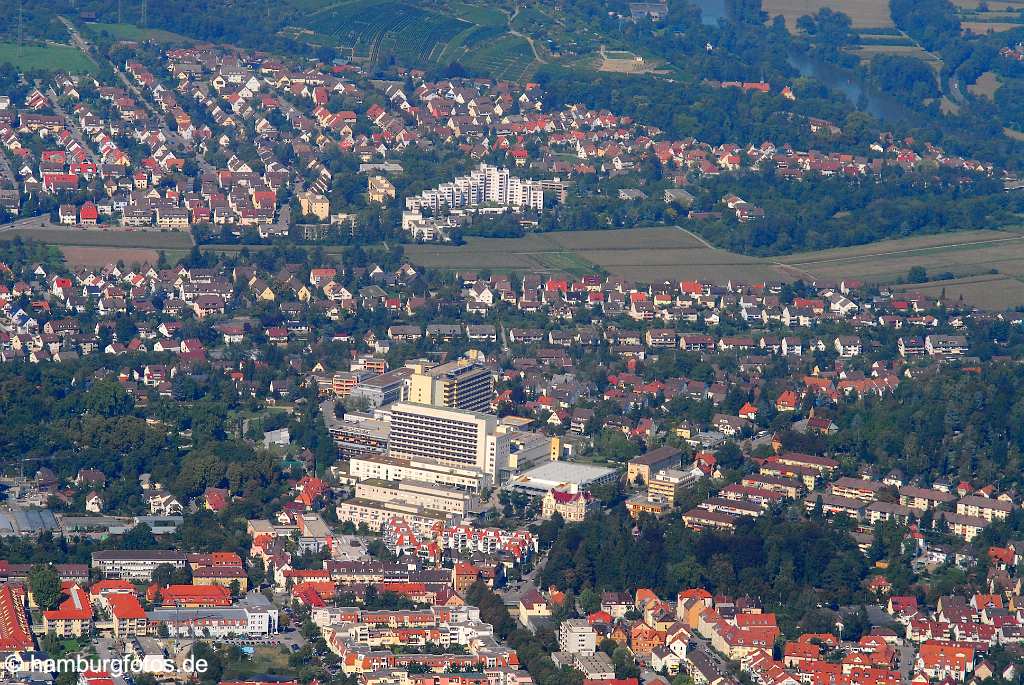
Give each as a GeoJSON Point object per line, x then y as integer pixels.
{"type": "Point", "coordinates": [125, 607]}
{"type": "Point", "coordinates": [195, 595]}
{"type": "Point", "coordinates": [75, 608]}
{"type": "Point", "coordinates": [14, 630]}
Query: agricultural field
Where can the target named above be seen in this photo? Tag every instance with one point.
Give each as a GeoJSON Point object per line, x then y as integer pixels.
{"type": "Point", "coordinates": [49, 57]}
{"type": "Point", "coordinates": [476, 35]}
{"type": "Point", "coordinates": [156, 240]}
{"type": "Point", "coordinates": [989, 17]}
{"type": "Point", "coordinates": [531, 19]}
{"type": "Point", "coordinates": [962, 253]}
{"type": "Point", "coordinates": [641, 254]}
{"type": "Point", "coordinates": [994, 292]}
{"type": "Point", "coordinates": [993, 26]}
{"type": "Point", "coordinates": [481, 15]}
{"type": "Point", "coordinates": [655, 254]}
{"type": "Point", "coordinates": [135, 33]}
{"type": "Point", "coordinates": [623, 62]}
{"type": "Point", "coordinates": [862, 13]}
{"type": "Point", "coordinates": [866, 52]}
{"type": "Point", "coordinates": [986, 85]}
{"type": "Point", "coordinates": [101, 256]}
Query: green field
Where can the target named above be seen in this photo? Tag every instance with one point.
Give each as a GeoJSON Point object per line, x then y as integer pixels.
{"type": "Point", "coordinates": [265, 659]}
{"type": "Point", "coordinates": [49, 57]}
{"type": "Point", "coordinates": [135, 33]}
{"type": "Point", "coordinates": [481, 15]}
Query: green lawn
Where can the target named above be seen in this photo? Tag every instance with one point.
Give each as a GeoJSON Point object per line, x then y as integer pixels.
{"type": "Point", "coordinates": [132, 32]}
{"type": "Point", "coordinates": [50, 57]}
{"type": "Point", "coordinates": [264, 660]}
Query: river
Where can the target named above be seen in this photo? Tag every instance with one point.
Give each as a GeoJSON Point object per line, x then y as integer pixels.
{"type": "Point", "coordinates": [711, 11]}
{"type": "Point", "coordinates": [846, 81]}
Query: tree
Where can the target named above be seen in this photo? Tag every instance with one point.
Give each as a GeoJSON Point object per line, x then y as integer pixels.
{"type": "Point", "coordinates": [107, 398]}
{"type": "Point", "coordinates": [44, 581]}
{"type": "Point", "coordinates": [163, 575]}
{"type": "Point", "coordinates": [139, 537]}
{"type": "Point", "coordinates": [590, 601]}
{"type": "Point", "coordinates": [917, 274]}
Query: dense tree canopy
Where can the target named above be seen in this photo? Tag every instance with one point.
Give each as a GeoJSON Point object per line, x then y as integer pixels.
{"type": "Point", "coordinates": [771, 558]}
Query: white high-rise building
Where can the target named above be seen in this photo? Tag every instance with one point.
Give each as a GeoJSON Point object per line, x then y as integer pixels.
{"type": "Point", "coordinates": [485, 185]}
{"type": "Point", "coordinates": [452, 437]}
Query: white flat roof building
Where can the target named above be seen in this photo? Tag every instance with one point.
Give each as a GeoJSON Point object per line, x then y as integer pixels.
{"type": "Point", "coordinates": [563, 475]}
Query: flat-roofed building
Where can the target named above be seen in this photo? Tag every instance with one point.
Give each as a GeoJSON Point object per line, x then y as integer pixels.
{"type": "Point", "coordinates": [561, 475]}
{"type": "Point", "coordinates": [386, 467]}
{"type": "Point", "coordinates": [135, 564]}
{"type": "Point", "coordinates": [426, 495]}
{"type": "Point", "coordinates": [577, 636]}
{"type": "Point", "coordinates": [461, 384]}
{"type": "Point", "coordinates": [655, 505]}
{"type": "Point", "coordinates": [375, 514]}
{"type": "Point", "coordinates": [386, 388]}
{"type": "Point", "coordinates": [355, 433]}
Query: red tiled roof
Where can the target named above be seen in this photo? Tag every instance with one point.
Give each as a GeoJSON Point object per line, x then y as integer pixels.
{"type": "Point", "coordinates": [14, 630]}
{"type": "Point", "coordinates": [124, 607]}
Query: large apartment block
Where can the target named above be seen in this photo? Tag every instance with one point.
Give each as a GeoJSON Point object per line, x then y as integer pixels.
{"type": "Point", "coordinates": [448, 436]}
{"type": "Point", "coordinates": [461, 384]}
{"type": "Point", "coordinates": [485, 185]}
